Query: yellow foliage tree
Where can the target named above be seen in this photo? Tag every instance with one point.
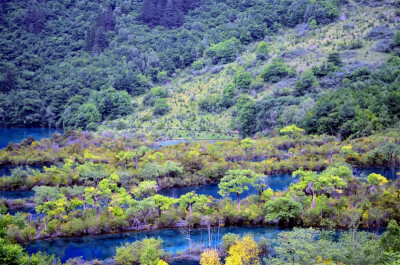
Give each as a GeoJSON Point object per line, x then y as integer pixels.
{"type": "Point", "coordinates": [243, 252]}
{"type": "Point", "coordinates": [210, 257]}
{"type": "Point", "coordinates": [161, 262]}
{"type": "Point", "coordinates": [291, 130]}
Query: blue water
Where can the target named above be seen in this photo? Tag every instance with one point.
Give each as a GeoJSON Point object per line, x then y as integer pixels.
{"type": "Point", "coordinates": [7, 171]}
{"type": "Point", "coordinates": [16, 135]}
{"type": "Point", "coordinates": [389, 173]}
{"type": "Point", "coordinates": [17, 194]}
{"type": "Point", "coordinates": [175, 240]}
{"type": "Point", "coordinates": [275, 182]}
{"type": "Point", "coordinates": [30, 210]}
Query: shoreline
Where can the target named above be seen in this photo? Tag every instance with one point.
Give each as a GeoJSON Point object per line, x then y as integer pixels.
{"type": "Point", "coordinates": [152, 229]}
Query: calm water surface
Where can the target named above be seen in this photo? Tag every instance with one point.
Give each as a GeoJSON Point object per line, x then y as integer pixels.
{"type": "Point", "coordinates": [7, 171]}
{"type": "Point", "coordinates": [275, 182]}
{"type": "Point", "coordinates": [16, 135]}
{"type": "Point", "coordinates": [17, 194]}
{"type": "Point", "coordinates": [175, 240]}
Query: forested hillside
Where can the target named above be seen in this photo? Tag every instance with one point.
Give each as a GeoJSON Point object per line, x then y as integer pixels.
{"type": "Point", "coordinates": [216, 67]}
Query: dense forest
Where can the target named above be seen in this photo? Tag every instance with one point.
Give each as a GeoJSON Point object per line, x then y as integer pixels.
{"type": "Point", "coordinates": [79, 64]}
{"type": "Point", "coordinates": [59, 59]}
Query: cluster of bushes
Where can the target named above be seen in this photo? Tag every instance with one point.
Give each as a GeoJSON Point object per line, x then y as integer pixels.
{"type": "Point", "coordinates": [363, 103]}
{"type": "Point", "coordinates": [310, 246]}
{"type": "Point", "coordinates": [83, 159]}
{"type": "Point", "coordinates": [110, 203]}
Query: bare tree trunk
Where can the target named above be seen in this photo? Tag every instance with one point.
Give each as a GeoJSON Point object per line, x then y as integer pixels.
{"type": "Point", "coordinates": [209, 235]}
{"type": "Point", "coordinates": [313, 201]}
{"type": "Point", "coordinates": [238, 195]}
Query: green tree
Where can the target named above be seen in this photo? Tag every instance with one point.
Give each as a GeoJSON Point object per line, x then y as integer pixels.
{"type": "Point", "coordinates": [236, 181]}
{"type": "Point", "coordinates": [145, 189]}
{"type": "Point", "coordinates": [228, 94]}
{"type": "Point", "coordinates": [291, 130]}
{"type": "Point", "coordinates": [283, 209]}
{"type": "Point", "coordinates": [246, 112]}
{"type": "Point", "coordinates": [335, 59]}
{"type": "Point", "coordinates": [145, 252]}
{"type": "Point", "coordinates": [390, 240]}
{"type": "Point", "coordinates": [247, 144]}
{"type": "Point", "coordinates": [188, 200]}
{"type": "Point", "coordinates": [242, 79]}
{"type": "Point", "coordinates": [313, 24]}
{"type": "Point", "coordinates": [225, 51]}
{"type": "Point", "coordinates": [275, 71]}
{"type": "Point", "coordinates": [135, 154]}
{"type": "Point", "coordinates": [163, 203]}
{"type": "Point", "coordinates": [262, 52]}
{"type": "Point", "coordinates": [306, 84]}
{"type": "Point", "coordinates": [317, 183]}
{"type": "Point", "coordinates": [86, 114]}
{"type": "Point", "coordinates": [160, 107]}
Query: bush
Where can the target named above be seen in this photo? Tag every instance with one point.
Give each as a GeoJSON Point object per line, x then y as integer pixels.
{"type": "Point", "coordinates": [229, 240]}
{"type": "Point", "coordinates": [242, 79]}
{"type": "Point", "coordinates": [324, 70]}
{"type": "Point", "coordinates": [335, 59]}
{"type": "Point", "coordinates": [225, 51]}
{"type": "Point", "coordinates": [283, 209]}
{"type": "Point", "coordinates": [148, 251]}
{"type": "Point", "coordinates": [227, 99]}
{"type": "Point", "coordinates": [275, 71]}
{"type": "Point", "coordinates": [52, 226]}
{"type": "Point", "coordinates": [160, 107]}
{"type": "Point", "coordinates": [306, 84]}
{"type": "Point", "coordinates": [75, 227]}
{"type": "Point", "coordinates": [197, 65]}
{"type": "Point", "coordinates": [159, 92]}
{"type": "Point", "coordinates": [208, 104]}
{"type": "Point", "coordinates": [262, 52]}
{"type": "Point", "coordinates": [120, 125]}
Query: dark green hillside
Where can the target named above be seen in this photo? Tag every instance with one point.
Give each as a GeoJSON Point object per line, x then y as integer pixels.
{"type": "Point", "coordinates": [55, 53]}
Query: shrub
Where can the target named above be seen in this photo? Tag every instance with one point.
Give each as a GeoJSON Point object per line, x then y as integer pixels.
{"type": "Point", "coordinates": [208, 104]}
{"type": "Point", "coordinates": [242, 79]}
{"type": "Point", "coordinates": [229, 240]}
{"type": "Point", "coordinates": [275, 71]}
{"type": "Point", "coordinates": [225, 51]}
{"type": "Point", "coordinates": [335, 59]}
{"type": "Point", "coordinates": [160, 107]}
{"type": "Point", "coordinates": [262, 52]}
{"type": "Point", "coordinates": [306, 84]}
{"type": "Point", "coordinates": [148, 251]}
{"type": "Point", "coordinates": [197, 65]}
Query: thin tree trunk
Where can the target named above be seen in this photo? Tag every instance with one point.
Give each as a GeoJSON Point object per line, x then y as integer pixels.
{"type": "Point", "coordinates": [313, 200]}
{"type": "Point", "coordinates": [209, 235]}
{"type": "Point", "coordinates": [238, 195]}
